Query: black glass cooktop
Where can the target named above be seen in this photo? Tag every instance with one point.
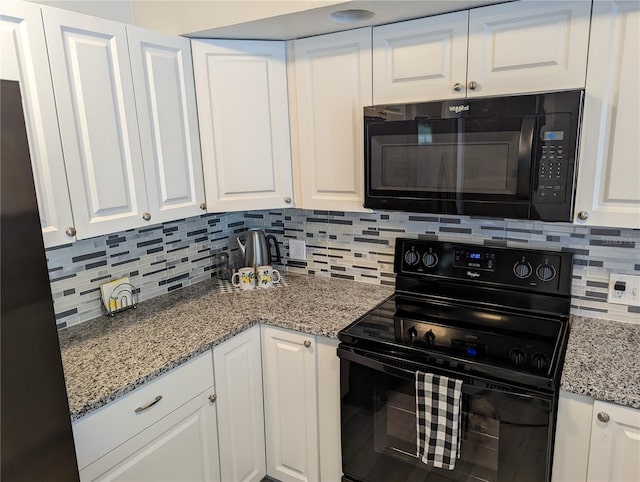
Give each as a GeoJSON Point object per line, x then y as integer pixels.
{"type": "Point", "coordinates": [502, 339]}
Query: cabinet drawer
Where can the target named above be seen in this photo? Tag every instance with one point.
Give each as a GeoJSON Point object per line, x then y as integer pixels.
{"type": "Point", "coordinates": [117, 422]}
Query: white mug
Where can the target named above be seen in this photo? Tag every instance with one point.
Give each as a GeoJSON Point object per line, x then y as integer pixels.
{"type": "Point", "coordinates": [267, 276]}
{"type": "Point", "coordinates": [245, 279]}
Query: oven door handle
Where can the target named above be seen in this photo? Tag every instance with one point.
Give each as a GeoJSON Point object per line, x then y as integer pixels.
{"type": "Point", "coordinates": [390, 367]}
{"type": "Point", "coordinates": [525, 155]}
{"type": "Point", "coordinates": [376, 364]}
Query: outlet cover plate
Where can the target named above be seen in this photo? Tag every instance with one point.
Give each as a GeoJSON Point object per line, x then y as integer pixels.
{"type": "Point", "coordinates": [297, 250]}
{"type": "Point", "coordinates": [630, 295]}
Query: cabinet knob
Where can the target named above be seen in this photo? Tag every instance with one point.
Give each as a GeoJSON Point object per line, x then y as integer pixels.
{"type": "Point", "coordinates": [457, 86]}
{"type": "Point", "coordinates": [603, 417]}
{"type": "Point", "coordinates": [71, 231]}
{"type": "Point", "coordinates": [307, 343]}
{"type": "Point", "coordinates": [583, 215]}
{"type": "Point", "coordinates": [473, 85]}
{"type": "Point", "coordinates": [203, 206]}
{"type": "Point", "coordinates": [213, 398]}
{"type": "Point", "coordinates": [146, 216]}
{"type": "Point", "coordinates": [287, 200]}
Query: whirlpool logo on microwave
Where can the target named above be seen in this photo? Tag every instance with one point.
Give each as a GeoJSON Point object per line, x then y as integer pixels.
{"type": "Point", "coordinates": [473, 274]}
{"type": "Point", "coordinates": [458, 108]}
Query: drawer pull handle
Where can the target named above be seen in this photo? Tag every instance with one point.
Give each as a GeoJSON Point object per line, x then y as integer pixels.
{"type": "Point", "coordinates": [149, 405]}
{"type": "Point", "coordinates": [307, 343]}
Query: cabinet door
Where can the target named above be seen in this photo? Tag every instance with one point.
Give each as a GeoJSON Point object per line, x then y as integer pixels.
{"type": "Point", "coordinates": [528, 46]}
{"type": "Point", "coordinates": [573, 429]}
{"type": "Point", "coordinates": [420, 60]}
{"type": "Point", "coordinates": [238, 372]}
{"type": "Point", "coordinates": [96, 110]}
{"type": "Point", "coordinates": [608, 188]}
{"type": "Point", "coordinates": [333, 84]}
{"type": "Point", "coordinates": [168, 123]}
{"type": "Point", "coordinates": [23, 57]}
{"type": "Point", "coordinates": [330, 445]}
{"type": "Point", "coordinates": [241, 88]}
{"type": "Point", "coordinates": [615, 444]}
{"type": "Point", "coordinates": [182, 446]}
{"type": "Point", "coordinates": [290, 405]}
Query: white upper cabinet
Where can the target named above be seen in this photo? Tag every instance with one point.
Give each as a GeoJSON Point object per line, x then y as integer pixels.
{"type": "Point", "coordinates": [420, 59]}
{"type": "Point", "coordinates": [23, 57]}
{"type": "Point", "coordinates": [241, 88]}
{"type": "Point", "coordinates": [608, 192]}
{"type": "Point", "coordinates": [527, 46]}
{"type": "Point", "coordinates": [97, 114]}
{"type": "Point", "coordinates": [168, 123]}
{"type": "Point", "coordinates": [513, 48]}
{"type": "Point", "coordinates": [332, 85]}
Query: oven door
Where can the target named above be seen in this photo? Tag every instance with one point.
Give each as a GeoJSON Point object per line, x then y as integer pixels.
{"type": "Point", "coordinates": [450, 165]}
{"type": "Point", "coordinates": [507, 433]}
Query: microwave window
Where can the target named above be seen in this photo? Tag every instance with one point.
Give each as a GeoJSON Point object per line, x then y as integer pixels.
{"type": "Point", "coordinates": [425, 159]}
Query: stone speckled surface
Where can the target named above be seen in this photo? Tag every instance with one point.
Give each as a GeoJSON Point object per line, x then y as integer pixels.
{"type": "Point", "coordinates": [602, 361]}
{"type": "Point", "coordinates": [106, 358]}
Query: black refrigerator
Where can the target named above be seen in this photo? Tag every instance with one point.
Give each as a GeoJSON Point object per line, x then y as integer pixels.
{"type": "Point", "coordinates": [36, 441]}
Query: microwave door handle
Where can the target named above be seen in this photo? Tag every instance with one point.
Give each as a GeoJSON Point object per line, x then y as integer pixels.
{"type": "Point", "coordinates": [525, 157]}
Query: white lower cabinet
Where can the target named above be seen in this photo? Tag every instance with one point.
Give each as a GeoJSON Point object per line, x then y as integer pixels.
{"type": "Point", "coordinates": [165, 430]}
{"type": "Point", "coordinates": [329, 440]}
{"type": "Point", "coordinates": [238, 373]}
{"type": "Point", "coordinates": [573, 429]}
{"type": "Point", "coordinates": [180, 447]}
{"type": "Point", "coordinates": [275, 411]}
{"type": "Point", "coordinates": [596, 441]}
{"type": "Point", "coordinates": [290, 405]}
{"type": "Point", "coordinates": [614, 452]}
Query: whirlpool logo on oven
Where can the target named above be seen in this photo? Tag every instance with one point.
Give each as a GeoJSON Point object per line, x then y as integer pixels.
{"type": "Point", "coordinates": [458, 108]}
{"type": "Point", "coordinates": [473, 274]}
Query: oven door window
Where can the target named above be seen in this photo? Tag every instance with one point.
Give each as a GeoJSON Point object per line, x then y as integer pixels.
{"type": "Point", "coordinates": [488, 157]}
{"type": "Point", "coordinates": [505, 436]}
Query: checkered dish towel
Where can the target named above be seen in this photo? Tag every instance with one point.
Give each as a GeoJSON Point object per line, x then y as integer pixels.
{"type": "Point", "coordinates": [438, 417]}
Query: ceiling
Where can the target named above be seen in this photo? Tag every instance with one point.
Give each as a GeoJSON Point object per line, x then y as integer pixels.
{"type": "Point", "coordinates": [257, 19]}
{"type": "Point", "coordinates": [315, 21]}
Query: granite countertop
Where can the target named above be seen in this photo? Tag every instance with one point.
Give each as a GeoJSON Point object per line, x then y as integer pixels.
{"type": "Point", "coordinates": [106, 358]}
{"type": "Point", "coordinates": [602, 361]}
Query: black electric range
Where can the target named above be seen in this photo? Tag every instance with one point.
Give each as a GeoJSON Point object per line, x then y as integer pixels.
{"type": "Point", "coordinates": [496, 318]}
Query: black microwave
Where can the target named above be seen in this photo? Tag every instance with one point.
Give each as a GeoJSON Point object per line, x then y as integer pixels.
{"type": "Point", "coordinates": [508, 157]}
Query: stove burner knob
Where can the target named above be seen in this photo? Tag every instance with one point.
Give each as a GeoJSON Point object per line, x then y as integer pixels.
{"type": "Point", "coordinates": [522, 269]}
{"type": "Point", "coordinates": [546, 272]}
{"type": "Point", "coordinates": [540, 361]}
{"type": "Point", "coordinates": [413, 334]}
{"type": "Point", "coordinates": [429, 337]}
{"type": "Point", "coordinates": [430, 259]}
{"type": "Point", "coordinates": [411, 258]}
{"type": "Point", "coordinates": [518, 356]}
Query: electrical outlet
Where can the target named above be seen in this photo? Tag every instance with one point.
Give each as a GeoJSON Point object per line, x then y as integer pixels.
{"type": "Point", "coordinates": [624, 289]}
{"type": "Point", "coordinates": [297, 249]}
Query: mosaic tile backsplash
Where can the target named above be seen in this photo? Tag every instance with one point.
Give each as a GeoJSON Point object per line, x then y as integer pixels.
{"type": "Point", "coordinates": [355, 246]}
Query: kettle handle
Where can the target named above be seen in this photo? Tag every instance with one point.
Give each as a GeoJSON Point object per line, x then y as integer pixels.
{"type": "Point", "coordinates": [272, 241]}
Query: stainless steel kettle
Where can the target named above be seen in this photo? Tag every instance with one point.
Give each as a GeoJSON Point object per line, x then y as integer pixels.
{"type": "Point", "coordinates": [259, 249]}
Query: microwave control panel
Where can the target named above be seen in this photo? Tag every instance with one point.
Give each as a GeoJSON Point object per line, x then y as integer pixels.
{"type": "Point", "coordinates": [553, 160]}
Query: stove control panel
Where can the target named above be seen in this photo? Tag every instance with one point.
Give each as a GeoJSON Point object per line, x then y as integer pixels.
{"type": "Point", "coordinates": [521, 354]}
{"type": "Point", "coordinates": [541, 271]}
